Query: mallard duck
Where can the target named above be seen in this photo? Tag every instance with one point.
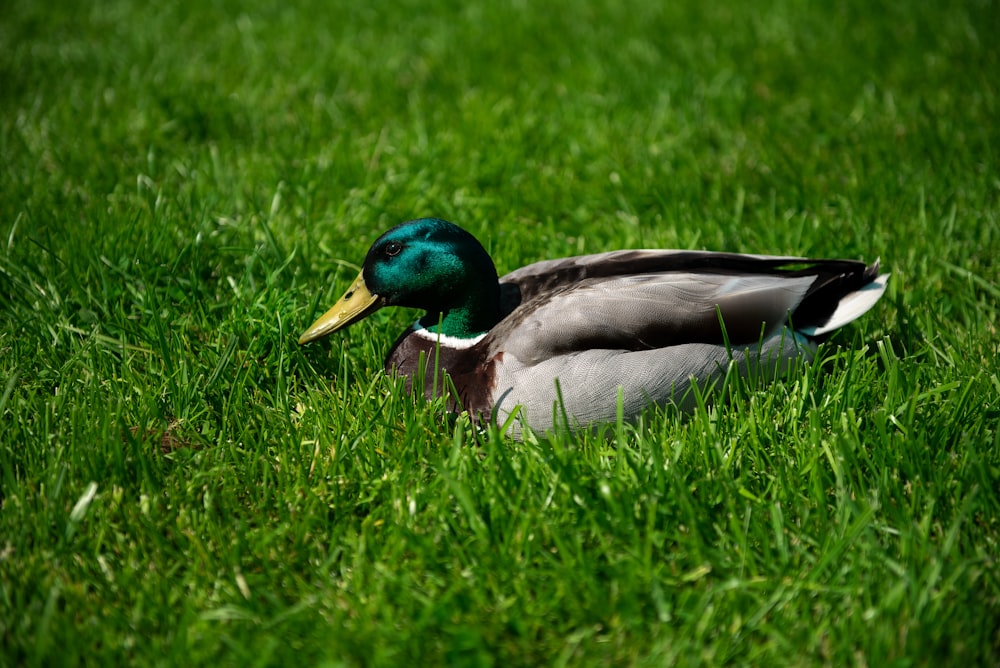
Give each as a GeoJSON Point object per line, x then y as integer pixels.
{"type": "Point", "coordinates": [557, 341]}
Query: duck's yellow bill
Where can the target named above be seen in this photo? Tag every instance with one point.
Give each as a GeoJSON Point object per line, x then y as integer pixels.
{"type": "Point", "coordinates": [356, 303]}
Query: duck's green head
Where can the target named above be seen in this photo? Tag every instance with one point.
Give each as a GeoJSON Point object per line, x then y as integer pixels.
{"type": "Point", "coordinates": [429, 264]}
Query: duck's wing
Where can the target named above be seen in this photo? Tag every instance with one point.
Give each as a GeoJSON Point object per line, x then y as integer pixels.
{"type": "Point", "coordinates": [643, 300]}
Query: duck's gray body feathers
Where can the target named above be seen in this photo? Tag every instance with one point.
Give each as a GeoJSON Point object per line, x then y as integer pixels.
{"type": "Point", "coordinates": [648, 322]}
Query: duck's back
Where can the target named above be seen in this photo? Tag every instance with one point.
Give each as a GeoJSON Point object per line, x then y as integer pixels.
{"type": "Point", "coordinates": [650, 322]}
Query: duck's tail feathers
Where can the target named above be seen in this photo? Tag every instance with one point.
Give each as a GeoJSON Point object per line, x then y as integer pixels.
{"type": "Point", "coordinates": [852, 305]}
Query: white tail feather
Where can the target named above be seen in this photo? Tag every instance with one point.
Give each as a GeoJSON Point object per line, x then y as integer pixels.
{"type": "Point", "coordinates": [851, 307]}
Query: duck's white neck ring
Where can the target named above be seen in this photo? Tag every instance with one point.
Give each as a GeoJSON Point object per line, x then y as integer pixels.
{"type": "Point", "coordinates": [444, 339]}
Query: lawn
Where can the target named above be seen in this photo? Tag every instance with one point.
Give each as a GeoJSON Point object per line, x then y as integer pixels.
{"type": "Point", "coordinates": [186, 185]}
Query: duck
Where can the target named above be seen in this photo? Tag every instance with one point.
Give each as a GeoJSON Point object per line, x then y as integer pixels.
{"type": "Point", "coordinates": [577, 342]}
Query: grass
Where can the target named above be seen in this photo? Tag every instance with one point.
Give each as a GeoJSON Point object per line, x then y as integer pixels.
{"type": "Point", "coordinates": [186, 185]}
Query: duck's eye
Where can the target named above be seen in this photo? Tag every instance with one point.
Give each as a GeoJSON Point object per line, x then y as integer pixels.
{"type": "Point", "coordinates": [393, 248]}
